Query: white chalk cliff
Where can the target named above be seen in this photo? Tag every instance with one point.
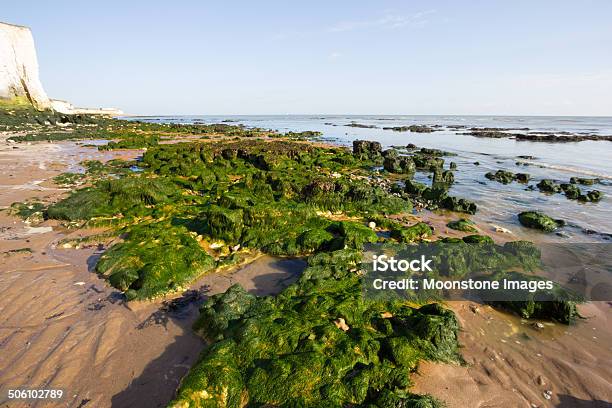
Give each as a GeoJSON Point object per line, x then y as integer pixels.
{"type": "Point", "coordinates": [19, 73]}
{"type": "Point", "coordinates": [19, 66]}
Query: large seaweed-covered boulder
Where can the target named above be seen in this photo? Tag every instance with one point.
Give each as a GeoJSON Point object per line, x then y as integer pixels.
{"type": "Point", "coordinates": [539, 220]}
{"type": "Point", "coordinates": [556, 304]}
{"type": "Point", "coordinates": [154, 259]}
{"type": "Point", "coordinates": [316, 343]}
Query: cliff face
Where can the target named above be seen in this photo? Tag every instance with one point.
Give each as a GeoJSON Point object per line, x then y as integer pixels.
{"type": "Point", "coordinates": [19, 66]}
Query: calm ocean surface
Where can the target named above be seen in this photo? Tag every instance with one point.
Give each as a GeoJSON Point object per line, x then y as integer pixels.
{"type": "Point", "coordinates": [498, 204]}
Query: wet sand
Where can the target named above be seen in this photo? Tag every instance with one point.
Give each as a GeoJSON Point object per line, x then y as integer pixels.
{"type": "Point", "coordinates": [511, 363]}
{"type": "Point", "coordinates": [63, 327]}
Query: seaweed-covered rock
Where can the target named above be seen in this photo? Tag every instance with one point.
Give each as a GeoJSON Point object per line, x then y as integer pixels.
{"type": "Point", "coordinates": [413, 233]}
{"type": "Point", "coordinates": [365, 149]}
{"type": "Point", "coordinates": [411, 128]}
{"type": "Point", "coordinates": [224, 223]}
{"type": "Point", "coordinates": [571, 191]}
{"type": "Point", "coordinates": [401, 164]}
{"type": "Point", "coordinates": [504, 177]}
{"type": "Point", "coordinates": [477, 239]}
{"type": "Point", "coordinates": [552, 304]}
{"type": "Point", "coordinates": [414, 187]}
{"type": "Point", "coordinates": [522, 177]}
{"type": "Point", "coordinates": [154, 259]}
{"type": "Point", "coordinates": [584, 181]}
{"type": "Point", "coordinates": [288, 349]}
{"type": "Point", "coordinates": [548, 186]}
{"type": "Point", "coordinates": [507, 177]}
{"type": "Point", "coordinates": [443, 177]}
{"type": "Point", "coordinates": [129, 195]}
{"type": "Point", "coordinates": [462, 224]}
{"type": "Point", "coordinates": [459, 205]}
{"type": "Point", "coordinates": [539, 220]}
{"type": "Point", "coordinates": [593, 196]}
{"type": "Point", "coordinates": [427, 162]}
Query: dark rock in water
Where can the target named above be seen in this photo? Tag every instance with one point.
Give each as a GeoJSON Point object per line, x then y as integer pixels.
{"type": "Point", "coordinates": [437, 197]}
{"type": "Point", "coordinates": [366, 149]}
{"type": "Point", "coordinates": [571, 191]}
{"type": "Point", "coordinates": [392, 165]}
{"type": "Point", "coordinates": [443, 177]}
{"type": "Point", "coordinates": [497, 133]}
{"type": "Point", "coordinates": [539, 220]}
{"type": "Point", "coordinates": [402, 164]}
{"type": "Point", "coordinates": [390, 153]}
{"type": "Point", "coordinates": [476, 163]}
{"type": "Point", "coordinates": [453, 165]}
{"type": "Point", "coordinates": [502, 176]}
{"type": "Point", "coordinates": [411, 146]}
{"type": "Point", "coordinates": [462, 224]}
{"type": "Point", "coordinates": [584, 181]}
{"type": "Point", "coordinates": [522, 177]}
{"type": "Point", "coordinates": [360, 125]}
{"type": "Point", "coordinates": [592, 196]}
{"type": "Point", "coordinates": [560, 138]}
{"type": "Point", "coordinates": [435, 152]}
{"type": "Point", "coordinates": [427, 162]}
{"type": "Point", "coordinates": [458, 205]}
{"type": "Point", "coordinates": [411, 128]}
{"type": "Point", "coordinates": [527, 157]}
{"type": "Point", "coordinates": [490, 133]}
{"type": "Point", "coordinates": [548, 186]}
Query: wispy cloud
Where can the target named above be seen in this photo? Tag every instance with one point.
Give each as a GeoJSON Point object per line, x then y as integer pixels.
{"type": "Point", "coordinates": [334, 55]}
{"type": "Point", "coordinates": [387, 21]}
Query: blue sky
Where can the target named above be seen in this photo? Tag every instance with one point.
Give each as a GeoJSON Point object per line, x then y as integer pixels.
{"type": "Point", "coordinates": [360, 57]}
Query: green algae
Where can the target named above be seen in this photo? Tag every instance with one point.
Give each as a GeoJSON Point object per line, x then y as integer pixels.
{"type": "Point", "coordinates": [154, 258]}
{"type": "Point", "coordinates": [462, 224]}
{"type": "Point", "coordinates": [290, 349]}
{"type": "Point", "coordinates": [539, 220]}
{"type": "Point", "coordinates": [133, 195]}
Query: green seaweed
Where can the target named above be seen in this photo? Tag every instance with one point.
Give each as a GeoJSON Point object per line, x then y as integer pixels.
{"type": "Point", "coordinates": [462, 224]}
{"type": "Point", "coordinates": [154, 258]}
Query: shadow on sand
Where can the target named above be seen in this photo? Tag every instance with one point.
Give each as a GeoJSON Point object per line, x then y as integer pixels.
{"type": "Point", "coordinates": [567, 401]}
{"type": "Point", "coordinates": [157, 384]}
